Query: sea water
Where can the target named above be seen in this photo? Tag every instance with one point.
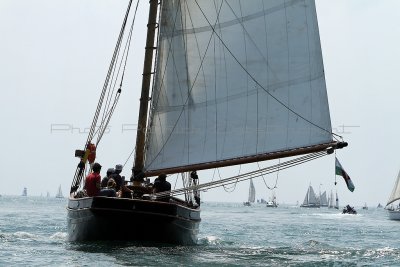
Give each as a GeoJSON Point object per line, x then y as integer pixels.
{"type": "Point", "coordinates": [33, 232]}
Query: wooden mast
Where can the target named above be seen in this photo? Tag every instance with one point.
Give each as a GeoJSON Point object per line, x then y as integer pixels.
{"type": "Point", "coordinates": [144, 98]}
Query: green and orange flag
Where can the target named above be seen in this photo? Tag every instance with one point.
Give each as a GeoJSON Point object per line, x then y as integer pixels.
{"type": "Point", "coordinates": [340, 171]}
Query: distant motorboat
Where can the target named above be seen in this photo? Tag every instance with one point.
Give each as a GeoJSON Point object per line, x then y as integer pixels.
{"type": "Point", "coordinates": [349, 210]}
{"type": "Point", "coordinates": [272, 201]}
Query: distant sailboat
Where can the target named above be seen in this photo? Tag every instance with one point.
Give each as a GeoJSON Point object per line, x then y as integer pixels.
{"type": "Point", "coordinates": [59, 193]}
{"type": "Point", "coordinates": [252, 194]}
{"type": "Point", "coordinates": [310, 201]}
{"type": "Point", "coordinates": [331, 201]}
{"type": "Point", "coordinates": [25, 192]}
{"type": "Point", "coordinates": [323, 202]}
{"type": "Point", "coordinates": [365, 207]}
{"type": "Point", "coordinates": [337, 202]}
{"type": "Point", "coordinates": [394, 211]}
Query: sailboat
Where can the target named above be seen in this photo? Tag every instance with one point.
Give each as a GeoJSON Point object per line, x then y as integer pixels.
{"type": "Point", "coordinates": [272, 201]}
{"type": "Point", "coordinates": [252, 194]}
{"type": "Point", "coordinates": [331, 200]}
{"type": "Point", "coordinates": [233, 82]}
{"type": "Point", "coordinates": [394, 211]}
{"type": "Point", "coordinates": [323, 201]}
{"type": "Point", "coordinates": [337, 202]}
{"type": "Point", "coordinates": [59, 193]}
{"type": "Point", "coordinates": [310, 201]}
{"type": "Point", "coordinates": [24, 192]}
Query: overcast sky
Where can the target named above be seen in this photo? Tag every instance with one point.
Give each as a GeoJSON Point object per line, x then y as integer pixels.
{"type": "Point", "coordinates": [54, 55]}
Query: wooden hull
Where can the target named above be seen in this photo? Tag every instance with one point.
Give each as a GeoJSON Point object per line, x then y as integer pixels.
{"type": "Point", "coordinates": [394, 215]}
{"type": "Point", "coordinates": [106, 218]}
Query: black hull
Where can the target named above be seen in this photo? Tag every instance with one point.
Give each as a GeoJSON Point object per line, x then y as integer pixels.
{"type": "Point", "coordinates": [104, 218]}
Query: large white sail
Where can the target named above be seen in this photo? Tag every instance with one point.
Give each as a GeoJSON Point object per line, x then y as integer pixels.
{"type": "Point", "coordinates": [252, 192]}
{"type": "Point", "coordinates": [331, 200]}
{"type": "Point", "coordinates": [395, 195]}
{"type": "Point", "coordinates": [234, 79]}
{"type": "Point", "coordinates": [323, 200]}
{"type": "Point", "coordinates": [312, 199]}
{"type": "Point", "coordinates": [306, 198]}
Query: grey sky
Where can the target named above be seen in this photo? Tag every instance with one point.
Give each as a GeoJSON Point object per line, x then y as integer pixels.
{"type": "Point", "coordinates": [54, 55]}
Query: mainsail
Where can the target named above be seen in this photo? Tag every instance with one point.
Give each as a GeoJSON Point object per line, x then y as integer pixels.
{"type": "Point", "coordinates": [395, 195]}
{"type": "Point", "coordinates": [236, 81]}
{"type": "Point", "coordinates": [331, 200]}
{"type": "Point", "coordinates": [323, 202]}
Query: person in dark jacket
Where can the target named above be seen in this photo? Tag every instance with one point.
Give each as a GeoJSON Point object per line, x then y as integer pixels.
{"type": "Point", "coordinates": [117, 177]}
{"type": "Point", "coordinates": [162, 185]}
{"type": "Point", "coordinates": [109, 174]}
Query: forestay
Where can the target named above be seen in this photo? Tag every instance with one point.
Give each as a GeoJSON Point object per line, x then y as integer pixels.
{"type": "Point", "coordinates": [236, 78]}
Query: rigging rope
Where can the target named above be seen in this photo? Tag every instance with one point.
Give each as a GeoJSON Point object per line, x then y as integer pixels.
{"type": "Point", "coordinates": [79, 172]}
{"type": "Point", "coordinates": [247, 176]}
{"type": "Point", "coordinates": [108, 111]}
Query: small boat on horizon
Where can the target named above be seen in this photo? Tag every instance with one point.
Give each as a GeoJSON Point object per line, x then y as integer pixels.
{"type": "Point", "coordinates": [59, 193]}
{"type": "Point", "coordinates": [24, 192]}
{"type": "Point", "coordinates": [272, 201]}
{"type": "Point", "coordinates": [349, 210]}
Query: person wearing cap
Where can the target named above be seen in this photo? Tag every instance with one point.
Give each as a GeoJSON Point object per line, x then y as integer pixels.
{"type": "Point", "coordinates": [117, 177]}
{"type": "Point", "coordinates": [104, 182]}
{"type": "Point", "coordinates": [121, 188]}
{"type": "Point", "coordinates": [92, 182]}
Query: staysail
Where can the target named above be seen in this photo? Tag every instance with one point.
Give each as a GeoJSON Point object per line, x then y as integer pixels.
{"type": "Point", "coordinates": [395, 195]}
{"type": "Point", "coordinates": [236, 81]}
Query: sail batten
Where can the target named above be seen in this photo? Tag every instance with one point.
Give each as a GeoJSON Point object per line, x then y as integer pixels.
{"type": "Point", "coordinates": [236, 82]}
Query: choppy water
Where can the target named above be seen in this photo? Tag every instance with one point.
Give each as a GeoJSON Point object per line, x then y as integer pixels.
{"type": "Point", "coordinates": [33, 233]}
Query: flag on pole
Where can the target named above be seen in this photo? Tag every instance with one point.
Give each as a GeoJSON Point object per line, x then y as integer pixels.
{"type": "Point", "coordinates": [340, 171]}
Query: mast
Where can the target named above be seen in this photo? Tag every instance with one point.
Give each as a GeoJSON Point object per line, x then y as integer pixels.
{"type": "Point", "coordinates": [144, 98]}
